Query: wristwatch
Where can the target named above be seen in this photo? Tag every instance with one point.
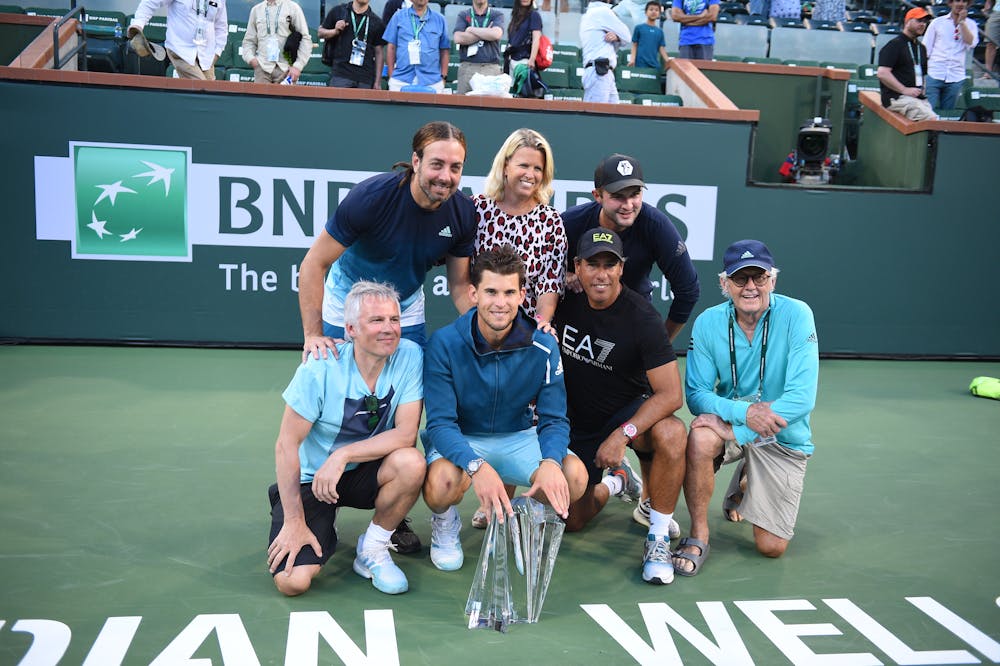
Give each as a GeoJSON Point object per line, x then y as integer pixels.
{"type": "Point", "coordinates": [630, 431]}
{"type": "Point", "coordinates": [474, 466]}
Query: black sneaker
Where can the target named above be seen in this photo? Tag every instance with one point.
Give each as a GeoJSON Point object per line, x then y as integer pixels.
{"type": "Point", "coordinates": [404, 540]}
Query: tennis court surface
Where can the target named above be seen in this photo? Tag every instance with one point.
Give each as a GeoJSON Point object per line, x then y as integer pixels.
{"type": "Point", "coordinates": [134, 520]}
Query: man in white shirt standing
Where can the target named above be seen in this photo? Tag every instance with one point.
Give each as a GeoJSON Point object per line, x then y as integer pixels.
{"type": "Point", "coordinates": [948, 40]}
{"type": "Point", "coordinates": [601, 33]}
{"type": "Point", "coordinates": [196, 33]}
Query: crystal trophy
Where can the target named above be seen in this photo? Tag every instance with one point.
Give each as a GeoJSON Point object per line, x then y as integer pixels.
{"type": "Point", "coordinates": [515, 567]}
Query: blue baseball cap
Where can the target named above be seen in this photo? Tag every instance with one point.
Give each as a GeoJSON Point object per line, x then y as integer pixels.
{"type": "Point", "coordinates": [747, 253]}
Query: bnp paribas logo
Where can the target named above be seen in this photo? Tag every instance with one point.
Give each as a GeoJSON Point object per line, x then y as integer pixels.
{"type": "Point", "coordinates": [131, 202]}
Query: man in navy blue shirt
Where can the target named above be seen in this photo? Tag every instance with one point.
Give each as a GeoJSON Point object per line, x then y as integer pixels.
{"type": "Point", "coordinates": [393, 228]}
{"type": "Point", "coordinates": [648, 237]}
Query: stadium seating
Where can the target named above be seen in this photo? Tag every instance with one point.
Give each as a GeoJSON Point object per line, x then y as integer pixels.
{"type": "Point", "coordinates": [638, 80]}
{"type": "Point", "coordinates": [821, 45]}
{"type": "Point", "coordinates": [986, 97]}
{"type": "Point", "coordinates": [740, 40]}
{"type": "Point", "coordinates": [658, 100]}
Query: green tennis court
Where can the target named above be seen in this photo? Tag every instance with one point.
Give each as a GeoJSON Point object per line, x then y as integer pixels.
{"type": "Point", "coordinates": [133, 518]}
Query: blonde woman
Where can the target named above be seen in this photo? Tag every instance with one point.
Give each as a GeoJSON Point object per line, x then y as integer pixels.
{"type": "Point", "coordinates": [515, 211]}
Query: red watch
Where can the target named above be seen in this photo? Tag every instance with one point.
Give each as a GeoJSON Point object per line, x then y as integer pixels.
{"type": "Point", "coordinates": [630, 431]}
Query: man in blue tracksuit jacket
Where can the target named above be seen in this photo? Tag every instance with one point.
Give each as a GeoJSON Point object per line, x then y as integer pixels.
{"type": "Point", "coordinates": [482, 373]}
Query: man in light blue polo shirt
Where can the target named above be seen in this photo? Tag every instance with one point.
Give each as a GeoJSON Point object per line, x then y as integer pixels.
{"type": "Point", "coordinates": [751, 377]}
{"type": "Point", "coordinates": [417, 47]}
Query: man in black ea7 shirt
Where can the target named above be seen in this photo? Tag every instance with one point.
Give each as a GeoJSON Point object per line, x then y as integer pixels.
{"type": "Point", "coordinates": [623, 388]}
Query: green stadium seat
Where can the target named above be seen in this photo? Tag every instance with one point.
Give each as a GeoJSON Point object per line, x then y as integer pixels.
{"type": "Point", "coordinates": [763, 61]}
{"type": "Point", "coordinates": [566, 53]}
{"type": "Point", "coordinates": [557, 74]}
{"type": "Point", "coordinates": [849, 66]}
{"type": "Point", "coordinates": [231, 57]}
{"type": "Point", "coordinates": [11, 9]}
{"type": "Point", "coordinates": [639, 80]}
{"type": "Point", "coordinates": [239, 74]}
{"type": "Point", "coordinates": [986, 97]}
{"type": "Point", "coordinates": [658, 100]}
{"type": "Point", "coordinates": [155, 30]}
{"type": "Point", "coordinates": [867, 71]}
{"type": "Point", "coordinates": [794, 62]}
{"type": "Point", "coordinates": [453, 64]}
{"type": "Point", "coordinates": [317, 80]}
{"type": "Point", "coordinates": [626, 97]}
{"type": "Point", "coordinates": [576, 77]}
{"type": "Point", "coordinates": [103, 23]}
{"type": "Point", "coordinates": [727, 58]}
{"type": "Point", "coordinates": [47, 11]}
{"type": "Point", "coordinates": [566, 94]}
{"type": "Point", "coordinates": [857, 86]}
{"type": "Point", "coordinates": [315, 64]}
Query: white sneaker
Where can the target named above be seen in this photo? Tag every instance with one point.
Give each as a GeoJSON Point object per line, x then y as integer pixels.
{"type": "Point", "coordinates": [657, 564]}
{"type": "Point", "coordinates": [446, 548]}
{"type": "Point", "coordinates": [377, 564]}
{"type": "Point", "coordinates": [641, 516]}
{"type": "Point", "coordinates": [631, 482]}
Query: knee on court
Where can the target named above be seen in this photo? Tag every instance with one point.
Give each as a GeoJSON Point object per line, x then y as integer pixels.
{"type": "Point", "coordinates": [294, 584]}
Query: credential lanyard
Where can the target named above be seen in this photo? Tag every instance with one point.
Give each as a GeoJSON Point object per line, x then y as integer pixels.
{"type": "Point", "coordinates": [416, 25]}
{"type": "Point", "coordinates": [486, 19]}
{"type": "Point", "coordinates": [363, 25]}
{"type": "Point", "coordinates": [763, 355]}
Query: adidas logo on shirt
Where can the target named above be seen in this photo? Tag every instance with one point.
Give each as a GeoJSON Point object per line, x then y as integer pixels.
{"type": "Point", "coordinates": [446, 232]}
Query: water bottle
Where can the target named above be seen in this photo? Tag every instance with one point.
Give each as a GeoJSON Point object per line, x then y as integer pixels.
{"type": "Point", "coordinates": [118, 30]}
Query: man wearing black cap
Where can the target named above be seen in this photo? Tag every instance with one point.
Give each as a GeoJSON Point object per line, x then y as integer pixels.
{"type": "Point", "coordinates": [751, 375]}
{"type": "Point", "coordinates": [648, 236]}
{"type": "Point", "coordinates": [902, 69]}
{"type": "Point", "coordinates": [622, 388]}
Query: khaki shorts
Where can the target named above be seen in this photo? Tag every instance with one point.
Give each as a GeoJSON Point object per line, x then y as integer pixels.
{"type": "Point", "coordinates": [775, 475]}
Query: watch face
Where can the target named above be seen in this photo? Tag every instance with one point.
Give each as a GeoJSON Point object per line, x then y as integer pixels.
{"type": "Point", "coordinates": [630, 430]}
{"type": "Point", "coordinates": [474, 465]}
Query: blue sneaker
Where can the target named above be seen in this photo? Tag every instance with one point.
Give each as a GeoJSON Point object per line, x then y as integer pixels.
{"type": "Point", "coordinates": [657, 564]}
{"type": "Point", "coordinates": [446, 548]}
{"type": "Point", "coordinates": [631, 482]}
{"type": "Point", "coordinates": [377, 564]}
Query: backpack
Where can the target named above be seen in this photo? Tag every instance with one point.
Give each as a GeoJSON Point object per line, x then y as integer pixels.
{"type": "Point", "coordinates": [545, 53]}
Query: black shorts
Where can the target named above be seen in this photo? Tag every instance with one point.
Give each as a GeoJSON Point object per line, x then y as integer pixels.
{"type": "Point", "coordinates": [357, 488]}
{"type": "Point", "coordinates": [585, 444]}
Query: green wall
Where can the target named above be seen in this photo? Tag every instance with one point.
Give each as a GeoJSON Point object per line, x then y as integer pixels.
{"type": "Point", "coordinates": [885, 272]}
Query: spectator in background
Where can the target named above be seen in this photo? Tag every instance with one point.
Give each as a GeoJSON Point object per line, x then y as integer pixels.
{"type": "Point", "coordinates": [393, 6]}
{"type": "Point", "coordinates": [417, 48]}
{"type": "Point", "coordinates": [697, 34]}
{"type": "Point", "coordinates": [601, 33]}
{"type": "Point", "coordinates": [268, 28]}
{"type": "Point", "coordinates": [992, 31]}
{"type": "Point", "coordinates": [786, 9]}
{"type": "Point", "coordinates": [902, 69]}
{"type": "Point", "coordinates": [354, 47]}
{"type": "Point", "coordinates": [523, 34]}
{"type": "Point", "coordinates": [648, 43]}
{"type": "Point", "coordinates": [196, 34]}
{"type": "Point", "coordinates": [829, 10]}
{"type": "Point", "coordinates": [477, 32]}
{"type": "Point", "coordinates": [949, 40]}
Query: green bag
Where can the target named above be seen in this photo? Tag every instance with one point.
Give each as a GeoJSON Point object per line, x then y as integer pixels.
{"type": "Point", "coordinates": [985, 387]}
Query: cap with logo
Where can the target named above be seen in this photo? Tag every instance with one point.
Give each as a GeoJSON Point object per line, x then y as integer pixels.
{"type": "Point", "coordinates": [919, 13]}
{"type": "Point", "coordinates": [747, 253]}
{"type": "Point", "coordinates": [145, 48]}
{"type": "Point", "coordinates": [616, 172]}
{"type": "Point", "coordinates": [597, 240]}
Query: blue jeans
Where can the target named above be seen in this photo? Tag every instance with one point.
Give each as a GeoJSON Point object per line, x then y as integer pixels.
{"type": "Point", "coordinates": [942, 95]}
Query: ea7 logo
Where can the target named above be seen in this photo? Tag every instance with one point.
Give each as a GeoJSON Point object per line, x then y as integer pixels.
{"type": "Point", "coordinates": [585, 346]}
{"type": "Point", "coordinates": [602, 237]}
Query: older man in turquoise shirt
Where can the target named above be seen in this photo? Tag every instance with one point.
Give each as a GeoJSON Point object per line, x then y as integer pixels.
{"type": "Point", "coordinates": [751, 376]}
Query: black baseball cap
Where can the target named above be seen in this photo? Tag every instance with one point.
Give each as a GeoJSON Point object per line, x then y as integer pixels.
{"type": "Point", "coordinates": [597, 240]}
{"type": "Point", "coordinates": [616, 172]}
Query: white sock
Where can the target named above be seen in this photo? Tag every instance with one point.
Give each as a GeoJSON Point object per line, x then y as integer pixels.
{"type": "Point", "coordinates": [450, 514]}
{"type": "Point", "coordinates": [376, 537]}
{"type": "Point", "coordinates": [614, 483]}
{"type": "Point", "coordinates": [659, 523]}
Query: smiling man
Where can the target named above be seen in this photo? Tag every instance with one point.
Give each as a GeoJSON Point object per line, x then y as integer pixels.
{"type": "Point", "coordinates": [751, 377]}
{"type": "Point", "coordinates": [623, 388]}
{"type": "Point", "coordinates": [347, 439]}
{"type": "Point", "coordinates": [484, 370]}
{"type": "Point", "coordinates": [393, 227]}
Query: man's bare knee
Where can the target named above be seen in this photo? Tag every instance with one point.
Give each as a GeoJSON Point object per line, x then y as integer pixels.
{"type": "Point", "coordinates": [669, 437]}
{"type": "Point", "coordinates": [408, 466]}
{"type": "Point", "coordinates": [294, 584]}
{"type": "Point", "coordinates": [702, 443]}
{"type": "Point", "coordinates": [769, 545]}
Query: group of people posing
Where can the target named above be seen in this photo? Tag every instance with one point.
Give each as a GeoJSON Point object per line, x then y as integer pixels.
{"type": "Point", "coordinates": [556, 365]}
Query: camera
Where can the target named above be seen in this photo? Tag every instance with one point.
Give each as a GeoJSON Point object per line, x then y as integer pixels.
{"type": "Point", "coordinates": [811, 163]}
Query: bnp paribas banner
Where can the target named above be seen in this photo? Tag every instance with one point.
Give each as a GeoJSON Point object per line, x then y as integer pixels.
{"type": "Point", "coordinates": [115, 202]}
